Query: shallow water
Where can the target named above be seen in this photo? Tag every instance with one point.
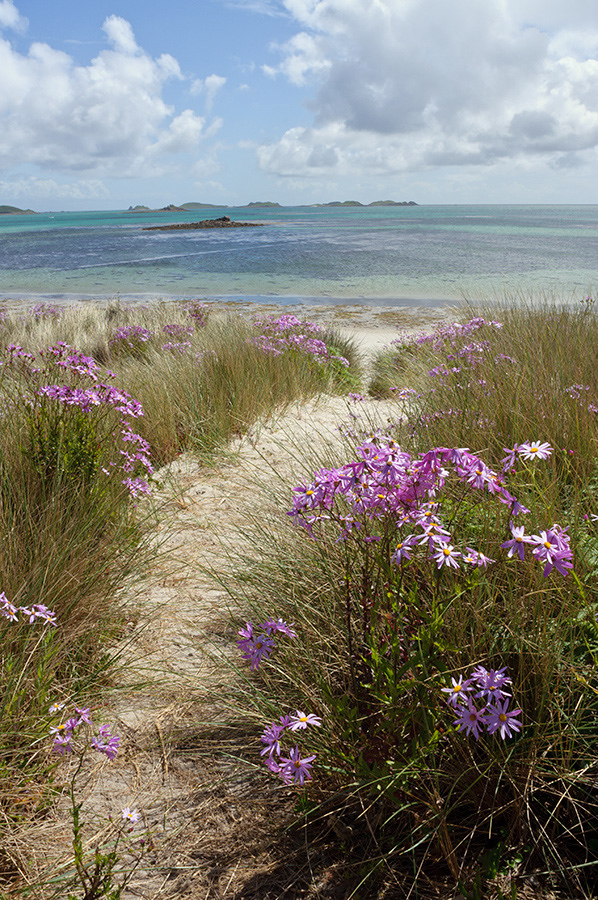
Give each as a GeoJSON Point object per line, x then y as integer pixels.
{"type": "Point", "coordinates": [424, 255]}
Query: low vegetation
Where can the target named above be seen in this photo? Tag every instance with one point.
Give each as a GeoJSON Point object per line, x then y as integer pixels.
{"type": "Point", "coordinates": [93, 400]}
{"type": "Point", "coordinates": [416, 621]}
{"type": "Point", "coordinates": [419, 644]}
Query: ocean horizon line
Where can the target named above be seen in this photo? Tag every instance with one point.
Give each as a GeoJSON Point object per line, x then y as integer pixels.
{"type": "Point", "coordinates": [266, 205]}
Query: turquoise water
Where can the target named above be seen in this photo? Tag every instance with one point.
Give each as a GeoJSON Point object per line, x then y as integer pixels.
{"type": "Point", "coordinates": [389, 255]}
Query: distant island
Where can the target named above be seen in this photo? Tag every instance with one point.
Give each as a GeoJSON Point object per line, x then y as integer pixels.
{"type": "Point", "coordinates": [170, 208]}
{"type": "Point", "coordinates": [375, 203]}
{"type": "Point", "coordinates": [222, 222]}
{"type": "Point", "coordinates": [186, 207]}
{"type": "Point", "coordinates": [393, 203]}
{"type": "Point", "coordinates": [200, 206]}
{"type": "Point", "coordinates": [255, 204]}
{"type": "Point", "coordinates": [263, 204]}
{"type": "Point", "coordinates": [15, 211]}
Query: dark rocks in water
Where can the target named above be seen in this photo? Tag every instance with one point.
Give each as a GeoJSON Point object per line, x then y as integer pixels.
{"type": "Point", "coordinates": [222, 222]}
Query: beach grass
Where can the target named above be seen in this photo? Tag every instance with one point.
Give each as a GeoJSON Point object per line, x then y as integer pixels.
{"type": "Point", "coordinates": [199, 375]}
{"type": "Point", "coordinates": [402, 638]}
{"type": "Point", "coordinates": [417, 643]}
{"type": "Point", "coordinates": [94, 399]}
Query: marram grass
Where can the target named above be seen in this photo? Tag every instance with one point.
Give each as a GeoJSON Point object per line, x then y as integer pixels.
{"type": "Point", "coordinates": [498, 785]}
{"type": "Point", "coordinates": [92, 400]}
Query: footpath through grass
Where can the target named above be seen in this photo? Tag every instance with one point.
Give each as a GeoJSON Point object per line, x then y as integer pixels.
{"type": "Point", "coordinates": [417, 639]}
{"type": "Point", "coordinates": [92, 400]}
{"type": "Point", "coordinates": [418, 646]}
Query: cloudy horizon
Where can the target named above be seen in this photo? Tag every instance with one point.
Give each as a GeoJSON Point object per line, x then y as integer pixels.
{"type": "Point", "coordinates": [298, 101]}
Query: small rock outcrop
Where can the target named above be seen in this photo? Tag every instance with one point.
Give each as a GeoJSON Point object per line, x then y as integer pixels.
{"type": "Point", "coordinates": [222, 222]}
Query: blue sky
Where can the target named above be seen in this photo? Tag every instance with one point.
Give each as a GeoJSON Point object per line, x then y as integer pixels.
{"type": "Point", "coordinates": [111, 103]}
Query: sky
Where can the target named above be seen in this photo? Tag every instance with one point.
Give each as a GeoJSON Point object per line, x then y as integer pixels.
{"type": "Point", "coordinates": [106, 104]}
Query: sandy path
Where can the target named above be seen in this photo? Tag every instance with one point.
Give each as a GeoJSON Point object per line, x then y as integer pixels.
{"type": "Point", "coordinates": [201, 510]}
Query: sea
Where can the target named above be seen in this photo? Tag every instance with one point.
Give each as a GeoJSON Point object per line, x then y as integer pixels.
{"type": "Point", "coordinates": [372, 255]}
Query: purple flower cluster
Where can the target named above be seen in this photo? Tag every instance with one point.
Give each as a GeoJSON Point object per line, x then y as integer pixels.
{"type": "Point", "coordinates": [33, 613]}
{"type": "Point", "coordinates": [472, 353]}
{"type": "Point", "coordinates": [67, 358]}
{"type": "Point", "coordinates": [551, 547]}
{"type": "Point", "coordinates": [294, 768]}
{"type": "Point", "coordinates": [178, 331]}
{"type": "Point", "coordinates": [258, 644]}
{"type": "Point", "coordinates": [66, 732]}
{"type": "Point", "coordinates": [445, 334]}
{"type": "Point", "coordinates": [288, 333]}
{"type": "Point", "coordinates": [105, 743]}
{"type": "Point", "coordinates": [386, 483]}
{"type": "Point", "coordinates": [137, 451]}
{"type": "Point", "coordinates": [494, 715]}
{"type": "Point", "coordinates": [15, 351]}
{"type": "Point", "coordinates": [136, 486]}
{"type": "Point", "coordinates": [283, 324]}
{"type": "Point", "coordinates": [575, 390]}
{"type": "Point", "coordinates": [177, 347]}
{"type": "Point", "coordinates": [86, 398]}
{"type": "Point", "coordinates": [198, 312]}
{"type": "Point", "coordinates": [99, 397]}
{"type": "Point", "coordinates": [46, 311]}
{"type": "Point", "coordinates": [131, 336]}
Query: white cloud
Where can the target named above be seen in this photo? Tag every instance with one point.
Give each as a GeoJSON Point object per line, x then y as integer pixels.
{"type": "Point", "coordinates": [48, 187]}
{"type": "Point", "coordinates": [108, 117]}
{"type": "Point", "coordinates": [214, 126]}
{"type": "Point", "coordinates": [10, 16]}
{"type": "Point", "coordinates": [302, 58]}
{"type": "Point", "coordinates": [210, 87]}
{"type": "Point", "coordinates": [412, 84]}
{"type": "Point", "coordinates": [263, 7]}
{"type": "Point", "coordinates": [120, 33]}
{"type": "Point", "coordinates": [184, 133]}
